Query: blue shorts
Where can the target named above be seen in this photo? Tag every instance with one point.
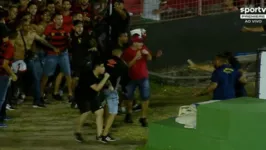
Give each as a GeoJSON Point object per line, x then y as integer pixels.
{"type": "Point", "coordinates": [143, 86]}
{"type": "Point", "coordinates": [112, 99]}
{"type": "Point", "coordinates": [51, 61]}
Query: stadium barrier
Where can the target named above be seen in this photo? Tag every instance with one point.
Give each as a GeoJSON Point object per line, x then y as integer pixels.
{"type": "Point", "coordinates": [166, 10]}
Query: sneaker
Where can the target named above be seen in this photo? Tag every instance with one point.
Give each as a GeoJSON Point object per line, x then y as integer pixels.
{"type": "Point", "coordinates": [78, 137]}
{"type": "Point", "coordinates": [128, 118]}
{"type": "Point", "coordinates": [122, 110]}
{"type": "Point", "coordinates": [19, 101]}
{"type": "Point", "coordinates": [137, 108]}
{"type": "Point", "coordinates": [109, 138]}
{"type": "Point", "coordinates": [61, 92]}
{"type": "Point", "coordinates": [7, 118]}
{"type": "Point", "coordinates": [143, 122]}
{"type": "Point", "coordinates": [9, 107]}
{"type": "Point", "coordinates": [57, 97]}
{"type": "Point", "coordinates": [73, 105]}
{"type": "Point", "coordinates": [22, 97]}
{"type": "Point", "coordinates": [70, 99]}
{"type": "Point", "coordinates": [2, 125]}
{"type": "Point", "coordinates": [101, 139]}
{"type": "Point", "coordinates": [45, 98]}
{"type": "Point", "coordinates": [39, 106]}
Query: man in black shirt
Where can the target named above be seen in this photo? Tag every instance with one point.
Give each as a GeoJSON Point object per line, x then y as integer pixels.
{"type": "Point", "coordinates": [119, 19]}
{"type": "Point", "coordinates": [83, 50]}
{"type": "Point", "coordinates": [122, 42]}
{"type": "Point", "coordinates": [83, 47]}
{"type": "Point", "coordinates": [116, 67]}
{"type": "Point", "coordinates": [87, 96]}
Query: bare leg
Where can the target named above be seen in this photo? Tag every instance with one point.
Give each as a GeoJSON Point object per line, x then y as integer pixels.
{"type": "Point", "coordinates": [81, 121]}
{"type": "Point", "coordinates": [108, 125]}
{"type": "Point", "coordinates": [106, 114]}
{"type": "Point", "coordinates": [99, 121]}
{"type": "Point", "coordinates": [69, 85]}
{"type": "Point", "coordinates": [74, 83]}
{"type": "Point", "coordinates": [58, 81]}
{"type": "Point", "coordinates": [144, 110]}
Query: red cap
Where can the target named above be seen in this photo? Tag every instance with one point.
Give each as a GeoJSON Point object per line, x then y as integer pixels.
{"type": "Point", "coordinates": [137, 38]}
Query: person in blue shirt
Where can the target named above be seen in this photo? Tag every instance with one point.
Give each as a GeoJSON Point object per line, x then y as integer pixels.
{"type": "Point", "coordinates": [239, 87]}
{"type": "Point", "coordinates": [223, 80]}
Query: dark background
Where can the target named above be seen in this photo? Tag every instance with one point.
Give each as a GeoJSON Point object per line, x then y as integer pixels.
{"type": "Point", "coordinates": [199, 38]}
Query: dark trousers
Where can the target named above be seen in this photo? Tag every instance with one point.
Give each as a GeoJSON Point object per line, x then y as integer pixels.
{"type": "Point", "coordinates": [4, 83]}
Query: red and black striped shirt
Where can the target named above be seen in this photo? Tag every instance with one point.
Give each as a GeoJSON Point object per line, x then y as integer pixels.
{"type": "Point", "coordinates": [59, 38]}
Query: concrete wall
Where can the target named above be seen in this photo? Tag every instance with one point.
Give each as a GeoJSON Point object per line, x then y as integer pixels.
{"type": "Point", "coordinates": [200, 38]}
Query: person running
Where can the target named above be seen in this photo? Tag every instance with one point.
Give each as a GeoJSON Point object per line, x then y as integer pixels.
{"type": "Point", "coordinates": [116, 67]}
{"type": "Point", "coordinates": [88, 99]}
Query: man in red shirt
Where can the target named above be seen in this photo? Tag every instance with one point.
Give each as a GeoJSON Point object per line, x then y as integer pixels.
{"type": "Point", "coordinates": [85, 9]}
{"type": "Point", "coordinates": [67, 14]}
{"type": "Point", "coordinates": [58, 36]}
{"type": "Point", "coordinates": [136, 57]}
{"type": "Point", "coordinates": [6, 55]}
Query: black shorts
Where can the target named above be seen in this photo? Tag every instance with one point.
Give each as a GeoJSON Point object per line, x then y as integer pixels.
{"type": "Point", "coordinates": [75, 69]}
{"type": "Point", "coordinates": [86, 105]}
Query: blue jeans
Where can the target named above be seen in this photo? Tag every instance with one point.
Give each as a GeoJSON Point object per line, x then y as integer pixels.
{"type": "Point", "coordinates": [144, 88]}
{"type": "Point", "coordinates": [4, 83]}
{"type": "Point", "coordinates": [51, 62]}
{"type": "Point", "coordinates": [112, 99]}
{"type": "Point", "coordinates": [35, 68]}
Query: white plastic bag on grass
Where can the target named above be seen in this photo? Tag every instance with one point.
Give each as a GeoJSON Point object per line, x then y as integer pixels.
{"type": "Point", "coordinates": [187, 115]}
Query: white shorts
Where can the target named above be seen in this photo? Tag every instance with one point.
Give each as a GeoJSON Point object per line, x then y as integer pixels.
{"type": "Point", "coordinates": [19, 66]}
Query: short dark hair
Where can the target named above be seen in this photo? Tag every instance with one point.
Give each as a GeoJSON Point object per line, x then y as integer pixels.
{"type": "Point", "coordinates": [31, 3]}
{"type": "Point", "coordinates": [56, 14]}
{"type": "Point", "coordinates": [222, 57]}
{"type": "Point", "coordinates": [66, 1]}
{"type": "Point", "coordinates": [50, 2]}
{"type": "Point", "coordinates": [3, 13]}
{"type": "Point", "coordinates": [12, 6]}
{"type": "Point", "coordinates": [75, 14]}
{"type": "Point", "coordinates": [97, 61]}
{"type": "Point", "coordinates": [232, 59]}
{"type": "Point", "coordinates": [77, 22]}
{"type": "Point", "coordinates": [121, 33]}
{"type": "Point", "coordinates": [43, 12]}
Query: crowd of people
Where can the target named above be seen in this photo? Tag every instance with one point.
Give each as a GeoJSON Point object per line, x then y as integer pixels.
{"type": "Point", "coordinates": [86, 47]}
{"type": "Point", "coordinates": [92, 52]}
